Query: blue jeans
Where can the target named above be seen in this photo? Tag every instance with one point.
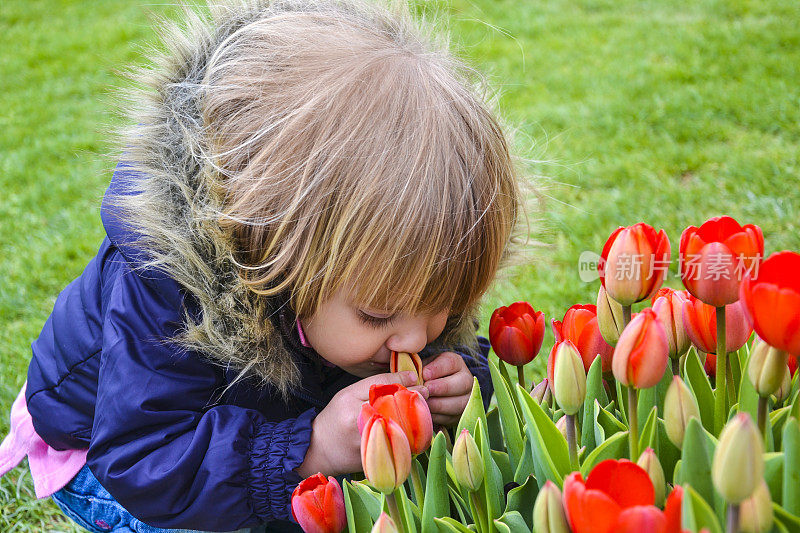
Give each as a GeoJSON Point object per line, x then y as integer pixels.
{"type": "Point", "coordinates": [86, 502]}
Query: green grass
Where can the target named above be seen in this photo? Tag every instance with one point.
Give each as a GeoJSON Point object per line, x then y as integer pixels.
{"type": "Point", "coordinates": [668, 112]}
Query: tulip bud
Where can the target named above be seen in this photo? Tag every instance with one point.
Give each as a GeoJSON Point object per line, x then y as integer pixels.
{"type": "Point", "coordinates": [385, 524]}
{"type": "Point", "coordinates": [385, 454]}
{"type": "Point", "coordinates": [402, 361]}
{"type": "Point", "coordinates": [632, 264]}
{"type": "Point", "coordinates": [569, 386]}
{"type": "Point", "coordinates": [548, 511]}
{"type": "Point", "coordinates": [668, 306]}
{"type": "Point", "coordinates": [318, 505]}
{"type": "Point", "coordinates": [561, 425]}
{"type": "Point", "coordinates": [766, 368]}
{"type": "Point", "coordinates": [755, 513]}
{"type": "Point", "coordinates": [738, 465]}
{"type": "Point", "coordinates": [786, 387]}
{"type": "Point", "coordinates": [541, 392]}
{"type": "Point", "coordinates": [640, 357]}
{"type": "Point", "coordinates": [467, 462]}
{"type": "Point", "coordinates": [406, 407]}
{"type": "Point", "coordinates": [679, 406]}
{"type": "Point", "coordinates": [609, 317]}
{"type": "Point", "coordinates": [650, 464]}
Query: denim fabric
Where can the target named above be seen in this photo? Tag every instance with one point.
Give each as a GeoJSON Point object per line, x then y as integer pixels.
{"type": "Point", "coordinates": [86, 502]}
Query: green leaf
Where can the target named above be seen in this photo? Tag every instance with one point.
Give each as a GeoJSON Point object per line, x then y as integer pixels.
{"type": "Point", "coordinates": [773, 474]}
{"type": "Point", "coordinates": [510, 418]}
{"type": "Point", "coordinates": [512, 522]}
{"type": "Point", "coordinates": [622, 393]}
{"type": "Point", "coordinates": [448, 525]}
{"type": "Point", "coordinates": [696, 513]}
{"type": "Point", "coordinates": [404, 506]}
{"type": "Point", "coordinates": [789, 521]}
{"type": "Point", "coordinates": [698, 383]}
{"type": "Point", "coordinates": [615, 447]}
{"type": "Point", "coordinates": [436, 502]}
{"type": "Point", "coordinates": [549, 447]}
{"type": "Point", "coordinates": [599, 432]}
{"type": "Point", "coordinates": [748, 397]}
{"type": "Point", "coordinates": [525, 467]}
{"type": "Point", "coordinates": [473, 411]}
{"type": "Point", "coordinates": [696, 461]}
{"type": "Point", "coordinates": [491, 490]}
{"type": "Point", "coordinates": [461, 506]}
{"type": "Point", "coordinates": [667, 452]}
{"type": "Point", "coordinates": [370, 498]}
{"type": "Point", "coordinates": [776, 420]}
{"type": "Point", "coordinates": [522, 499]}
{"type": "Point", "coordinates": [358, 517]}
{"type": "Point", "coordinates": [648, 437]}
{"type": "Point", "coordinates": [495, 429]}
{"type": "Point", "coordinates": [594, 392]}
{"type": "Point", "coordinates": [608, 422]}
{"type": "Point", "coordinates": [504, 465]}
{"type": "Point", "coordinates": [791, 466]}
{"type": "Point", "coordinates": [736, 370]}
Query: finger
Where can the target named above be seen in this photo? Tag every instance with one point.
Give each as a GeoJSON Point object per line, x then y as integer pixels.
{"type": "Point", "coordinates": [444, 364]}
{"type": "Point", "coordinates": [405, 378]}
{"type": "Point", "coordinates": [453, 385]}
{"type": "Point", "coordinates": [445, 420]}
{"type": "Point", "coordinates": [450, 406]}
{"type": "Point", "coordinates": [423, 390]}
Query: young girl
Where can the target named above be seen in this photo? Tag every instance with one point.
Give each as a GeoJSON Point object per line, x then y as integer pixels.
{"type": "Point", "coordinates": [306, 187]}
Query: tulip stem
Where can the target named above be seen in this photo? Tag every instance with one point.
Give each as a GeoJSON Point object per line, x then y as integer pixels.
{"type": "Point", "coordinates": [633, 424]}
{"type": "Point", "coordinates": [572, 442]}
{"type": "Point", "coordinates": [626, 316]}
{"type": "Point", "coordinates": [676, 367]}
{"type": "Point", "coordinates": [394, 511]}
{"type": "Point", "coordinates": [416, 482]}
{"type": "Point", "coordinates": [733, 518]}
{"type": "Point", "coordinates": [762, 416]}
{"type": "Point", "coordinates": [721, 399]}
{"type": "Point", "coordinates": [521, 376]}
{"type": "Point", "coordinates": [478, 512]}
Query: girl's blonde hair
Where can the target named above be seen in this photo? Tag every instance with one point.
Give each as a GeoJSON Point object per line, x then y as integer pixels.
{"type": "Point", "coordinates": [356, 151]}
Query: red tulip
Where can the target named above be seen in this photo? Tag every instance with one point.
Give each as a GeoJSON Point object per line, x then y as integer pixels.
{"type": "Point", "coordinates": [672, 510]}
{"type": "Point", "coordinates": [385, 453]}
{"type": "Point", "coordinates": [634, 262]}
{"type": "Point", "coordinates": [318, 505]}
{"type": "Point", "coordinates": [668, 306]}
{"type": "Point", "coordinates": [516, 333]}
{"type": "Point", "coordinates": [581, 327]}
{"type": "Point", "coordinates": [710, 365]}
{"type": "Point", "coordinates": [716, 257]}
{"type": "Point", "coordinates": [594, 506]}
{"type": "Point", "coordinates": [641, 354]}
{"type": "Point", "coordinates": [641, 518]}
{"type": "Point", "coordinates": [700, 321]}
{"type": "Point", "coordinates": [792, 362]}
{"type": "Point", "coordinates": [406, 407]}
{"type": "Point", "coordinates": [771, 298]}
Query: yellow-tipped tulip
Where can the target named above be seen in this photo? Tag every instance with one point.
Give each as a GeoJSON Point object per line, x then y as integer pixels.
{"type": "Point", "coordinates": [650, 464]}
{"type": "Point", "coordinates": [786, 387]}
{"type": "Point", "coordinates": [548, 511]}
{"type": "Point", "coordinates": [384, 524]}
{"type": "Point", "coordinates": [402, 361]}
{"type": "Point", "coordinates": [767, 368]}
{"type": "Point", "coordinates": [385, 454]}
{"type": "Point", "coordinates": [738, 465]}
{"type": "Point", "coordinates": [756, 511]}
{"type": "Point", "coordinates": [467, 462]}
{"type": "Point", "coordinates": [609, 317]}
{"type": "Point", "coordinates": [569, 378]}
{"type": "Point", "coordinates": [679, 406]}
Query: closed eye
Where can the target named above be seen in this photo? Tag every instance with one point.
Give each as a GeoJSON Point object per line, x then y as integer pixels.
{"type": "Point", "coordinates": [375, 321]}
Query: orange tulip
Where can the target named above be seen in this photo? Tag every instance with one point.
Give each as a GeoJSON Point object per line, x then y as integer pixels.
{"type": "Point", "coordinates": [716, 257]}
{"type": "Point", "coordinates": [772, 299]}
{"type": "Point", "coordinates": [516, 333]}
{"type": "Point", "coordinates": [581, 327]}
{"type": "Point", "coordinates": [634, 262]}
{"type": "Point", "coordinates": [385, 454]}
{"type": "Point", "coordinates": [668, 307]}
{"type": "Point", "coordinates": [318, 505]}
{"type": "Point", "coordinates": [641, 354]}
{"type": "Point", "coordinates": [406, 407]}
{"type": "Point", "coordinates": [700, 321]}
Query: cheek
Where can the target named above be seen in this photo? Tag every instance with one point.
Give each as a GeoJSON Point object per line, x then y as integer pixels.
{"type": "Point", "coordinates": [344, 342]}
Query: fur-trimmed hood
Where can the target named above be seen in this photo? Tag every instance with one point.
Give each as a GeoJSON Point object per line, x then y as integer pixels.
{"type": "Point", "coordinates": [163, 205]}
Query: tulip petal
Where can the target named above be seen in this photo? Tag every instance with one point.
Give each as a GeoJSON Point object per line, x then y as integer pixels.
{"type": "Point", "coordinates": [625, 482]}
{"type": "Point", "coordinates": [588, 511]}
{"type": "Point", "coordinates": [641, 518]}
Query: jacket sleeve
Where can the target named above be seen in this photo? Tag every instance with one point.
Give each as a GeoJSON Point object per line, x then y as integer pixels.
{"type": "Point", "coordinates": [158, 445]}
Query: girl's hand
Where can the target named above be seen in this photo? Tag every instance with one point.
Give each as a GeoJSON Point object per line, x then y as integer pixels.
{"type": "Point", "coordinates": [335, 446]}
{"type": "Point", "coordinates": [449, 384]}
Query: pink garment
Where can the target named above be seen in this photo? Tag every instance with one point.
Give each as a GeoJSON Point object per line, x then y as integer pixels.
{"type": "Point", "coordinates": [305, 343]}
{"type": "Point", "coordinates": [51, 469]}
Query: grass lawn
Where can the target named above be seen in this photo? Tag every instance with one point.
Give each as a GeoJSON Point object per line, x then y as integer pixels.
{"type": "Point", "coordinates": [668, 112]}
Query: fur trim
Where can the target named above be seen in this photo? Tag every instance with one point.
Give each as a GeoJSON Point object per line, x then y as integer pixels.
{"type": "Point", "coordinates": [172, 211]}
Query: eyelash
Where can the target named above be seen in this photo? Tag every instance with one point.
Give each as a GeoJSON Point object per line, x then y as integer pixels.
{"type": "Point", "coordinates": [374, 321]}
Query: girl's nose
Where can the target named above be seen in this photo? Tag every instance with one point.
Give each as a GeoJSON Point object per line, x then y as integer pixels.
{"type": "Point", "coordinates": [411, 338]}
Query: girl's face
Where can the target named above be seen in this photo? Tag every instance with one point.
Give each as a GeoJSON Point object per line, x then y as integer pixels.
{"type": "Point", "coordinates": [360, 340]}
